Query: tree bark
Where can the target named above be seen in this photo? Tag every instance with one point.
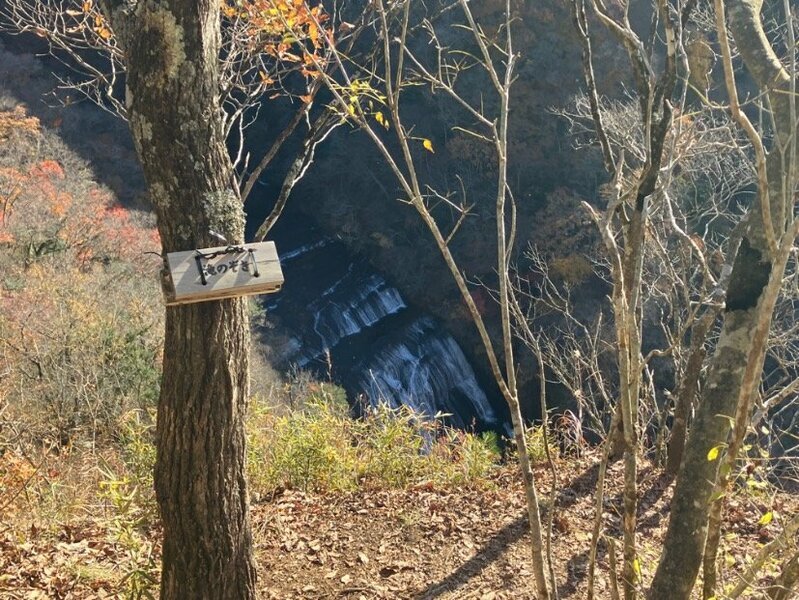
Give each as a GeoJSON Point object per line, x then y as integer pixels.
{"type": "Point", "coordinates": [688, 389]}
{"type": "Point", "coordinates": [738, 359]}
{"type": "Point", "coordinates": [171, 50]}
{"type": "Point", "coordinates": [783, 588]}
{"type": "Point", "coordinates": [685, 538]}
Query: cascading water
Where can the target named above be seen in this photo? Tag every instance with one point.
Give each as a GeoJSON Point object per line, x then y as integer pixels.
{"type": "Point", "coordinates": [428, 371]}
{"type": "Point", "coordinates": [335, 310]}
{"type": "Point", "coordinates": [353, 309]}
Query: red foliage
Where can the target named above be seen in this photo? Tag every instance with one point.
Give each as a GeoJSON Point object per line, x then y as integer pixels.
{"type": "Point", "coordinates": [48, 168]}
{"type": "Point", "coordinates": [50, 211]}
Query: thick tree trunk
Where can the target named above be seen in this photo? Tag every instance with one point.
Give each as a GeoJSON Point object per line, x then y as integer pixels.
{"type": "Point", "coordinates": [171, 50]}
{"type": "Point", "coordinates": [200, 481]}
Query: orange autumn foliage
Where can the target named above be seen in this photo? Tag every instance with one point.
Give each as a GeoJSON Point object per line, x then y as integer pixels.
{"type": "Point", "coordinates": [17, 120]}
{"type": "Point", "coordinates": [80, 307]}
{"type": "Point", "coordinates": [273, 27]}
{"type": "Point", "coordinates": [47, 169]}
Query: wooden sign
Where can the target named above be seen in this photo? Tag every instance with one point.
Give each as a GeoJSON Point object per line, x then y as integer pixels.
{"type": "Point", "coordinates": [222, 272]}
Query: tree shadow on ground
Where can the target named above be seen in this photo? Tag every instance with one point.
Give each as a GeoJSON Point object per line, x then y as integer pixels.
{"type": "Point", "coordinates": [489, 553]}
{"type": "Point", "coordinates": [652, 488]}
{"type": "Point", "coordinates": [581, 486]}
{"type": "Point", "coordinates": [651, 496]}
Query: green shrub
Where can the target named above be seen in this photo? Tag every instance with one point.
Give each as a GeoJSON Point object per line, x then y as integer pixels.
{"type": "Point", "coordinates": [128, 526]}
{"type": "Point", "coordinates": [537, 445]}
{"type": "Point", "coordinates": [138, 454]}
{"type": "Point", "coordinates": [319, 447]}
{"type": "Point", "coordinates": [307, 449]}
{"type": "Point", "coordinates": [462, 458]}
{"type": "Point", "coordinates": [127, 492]}
{"type": "Point", "coordinates": [390, 443]}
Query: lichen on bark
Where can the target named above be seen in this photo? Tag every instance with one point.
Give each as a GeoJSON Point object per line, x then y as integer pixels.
{"type": "Point", "coordinates": [224, 213]}
{"type": "Point", "coordinates": [161, 32]}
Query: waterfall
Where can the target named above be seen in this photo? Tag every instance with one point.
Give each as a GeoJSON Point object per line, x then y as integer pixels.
{"type": "Point", "coordinates": [428, 371]}
{"type": "Point", "coordinates": [361, 307]}
{"type": "Point", "coordinates": [333, 304]}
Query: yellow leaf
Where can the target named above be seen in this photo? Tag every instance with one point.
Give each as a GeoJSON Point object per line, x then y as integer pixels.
{"type": "Point", "coordinates": [637, 568]}
{"type": "Point", "coordinates": [351, 108]}
{"type": "Point", "coordinates": [428, 145]}
{"type": "Point", "coordinates": [713, 454]}
{"type": "Point", "coordinates": [379, 118]}
{"type": "Point", "coordinates": [766, 519]}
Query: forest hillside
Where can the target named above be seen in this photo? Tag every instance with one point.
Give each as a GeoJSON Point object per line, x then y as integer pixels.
{"type": "Point", "coordinates": [537, 335]}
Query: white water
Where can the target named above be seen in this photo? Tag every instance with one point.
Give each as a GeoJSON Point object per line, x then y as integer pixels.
{"type": "Point", "coordinates": [302, 250]}
{"type": "Point", "coordinates": [423, 370]}
{"type": "Point", "coordinates": [371, 301]}
{"type": "Point", "coordinates": [404, 360]}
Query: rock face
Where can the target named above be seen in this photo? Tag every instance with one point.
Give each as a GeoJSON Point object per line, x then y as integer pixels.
{"type": "Point", "coordinates": [360, 205]}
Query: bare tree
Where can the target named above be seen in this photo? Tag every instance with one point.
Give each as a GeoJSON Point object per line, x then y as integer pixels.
{"type": "Point", "coordinates": [636, 183]}
{"type": "Point", "coordinates": [735, 371]}
{"type": "Point", "coordinates": [371, 97]}
{"type": "Point", "coordinates": [736, 269]}
{"type": "Point", "coordinates": [692, 261]}
{"type": "Point", "coordinates": [694, 228]}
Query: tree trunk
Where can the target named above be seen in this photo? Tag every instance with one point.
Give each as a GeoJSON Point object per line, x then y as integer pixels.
{"type": "Point", "coordinates": [688, 388]}
{"type": "Point", "coordinates": [200, 478]}
{"type": "Point", "coordinates": [685, 537]}
{"type": "Point", "coordinates": [738, 359]}
{"type": "Point", "coordinates": [783, 588]}
{"type": "Point", "coordinates": [171, 50]}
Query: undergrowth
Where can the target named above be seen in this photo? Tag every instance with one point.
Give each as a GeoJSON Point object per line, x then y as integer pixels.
{"type": "Point", "coordinates": [315, 445]}
{"type": "Point", "coordinates": [319, 447]}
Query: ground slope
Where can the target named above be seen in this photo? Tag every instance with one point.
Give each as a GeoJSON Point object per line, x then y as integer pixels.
{"type": "Point", "coordinates": [419, 543]}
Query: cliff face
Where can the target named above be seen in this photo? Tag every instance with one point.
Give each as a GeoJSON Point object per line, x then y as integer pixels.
{"type": "Point", "coordinates": [547, 174]}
